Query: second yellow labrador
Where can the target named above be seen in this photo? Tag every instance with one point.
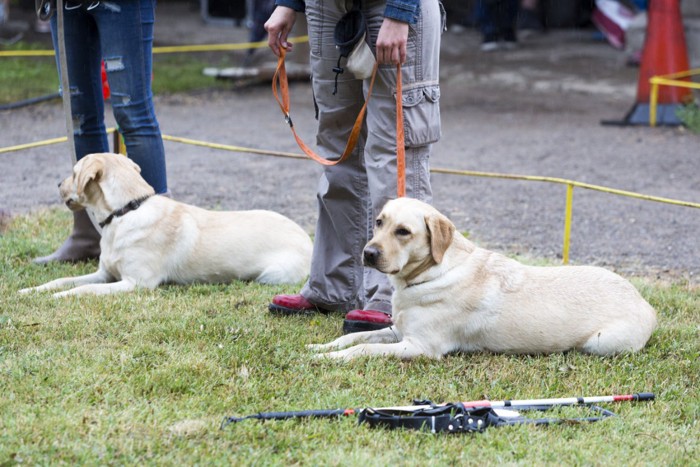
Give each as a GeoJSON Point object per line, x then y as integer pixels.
{"type": "Point", "coordinates": [450, 295]}
{"type": "Point", "coordinates": [148, 240]}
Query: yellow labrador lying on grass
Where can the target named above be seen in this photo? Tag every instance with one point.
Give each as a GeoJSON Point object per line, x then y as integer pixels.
{"type": "Point", "coordinates": [149, 240]}
{"type": "Point", "coordinates": [450, 295]}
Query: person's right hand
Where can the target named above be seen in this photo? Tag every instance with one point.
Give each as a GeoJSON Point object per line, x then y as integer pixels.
{"type": "Point", "coordinates": [391, 42]}
{"type": "Point", "coordinates": [278, 27]}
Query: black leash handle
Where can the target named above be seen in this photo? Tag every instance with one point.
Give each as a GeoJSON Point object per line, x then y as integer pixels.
{"type": "Point", "coordinates": [328, 413]}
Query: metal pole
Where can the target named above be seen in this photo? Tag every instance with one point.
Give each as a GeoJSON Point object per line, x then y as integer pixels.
{"type": "Point", "coordinates": [642, 396]}
{"type": "Point", "coordinates": [66, 94]}
{"type": "Point", "coordinates": [65, 82]}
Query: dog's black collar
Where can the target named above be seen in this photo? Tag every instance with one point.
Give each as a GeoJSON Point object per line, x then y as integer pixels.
{"type": "Point", "coordinates": [132, 205]}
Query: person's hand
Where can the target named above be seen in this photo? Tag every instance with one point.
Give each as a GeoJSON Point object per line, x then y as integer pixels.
{"type": "Point", "coordinates": [278, 27]}
{"type": "Point", "coordinates": [391, 42]}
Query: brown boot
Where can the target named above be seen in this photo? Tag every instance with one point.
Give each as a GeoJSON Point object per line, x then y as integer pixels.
{"type": "Point", "coordinates": [82, 244]}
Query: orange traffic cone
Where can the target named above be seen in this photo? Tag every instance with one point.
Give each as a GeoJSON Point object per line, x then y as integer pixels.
{"type": "Point", "coordinates": [664, 52]}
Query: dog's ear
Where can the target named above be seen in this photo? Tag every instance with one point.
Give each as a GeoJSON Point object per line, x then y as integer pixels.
{"type": "Point", "coordinates": [441, 231]}
{"type": "Point", "coordinates": [133, 164]}
{"type": "Point", "coordinates": [90, 171]}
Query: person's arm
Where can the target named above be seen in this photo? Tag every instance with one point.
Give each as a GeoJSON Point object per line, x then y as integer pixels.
{"type": "Point", "coordinates": [280, 24]}
{"type": "Point", "coordinates": [393, 34]}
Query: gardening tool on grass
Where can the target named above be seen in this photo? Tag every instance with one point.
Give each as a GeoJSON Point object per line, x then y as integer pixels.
{"type": "Point", "coordinates": [460, 417]}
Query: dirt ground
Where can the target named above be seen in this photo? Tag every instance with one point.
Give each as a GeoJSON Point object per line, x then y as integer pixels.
{"type": "Point", "coordinates": [535, 110]}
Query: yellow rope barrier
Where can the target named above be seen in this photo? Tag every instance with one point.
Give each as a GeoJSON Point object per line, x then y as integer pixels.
{"type": "Point", "coordinates": [38, 144]}
{"type": "Point", "coordinates": [570, 184]}
{"type": "Point", "coordinates": [471, 173]}
{"type": "Point", "coordinates": [209, 48]}
{"type": "Point", "coordinates": [165, 49]}
{"type": "Point", "coordinates": [564, 181]}
{"type": "Point", "coordinates": [227, 147]}
{"type": "Point", "coordinates": [27, 53]}
{"type": "Point", "coordinates": [668, 80]}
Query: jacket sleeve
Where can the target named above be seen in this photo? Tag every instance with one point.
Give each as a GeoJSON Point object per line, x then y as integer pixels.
{"type": "Point", "coordinates": [296, 5]}
{"type": "Point", "coordinates": [405, 11]}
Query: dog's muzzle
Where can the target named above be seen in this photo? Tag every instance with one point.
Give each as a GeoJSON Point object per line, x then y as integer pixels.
{"type": "Point", "coordinates": [72, 205]}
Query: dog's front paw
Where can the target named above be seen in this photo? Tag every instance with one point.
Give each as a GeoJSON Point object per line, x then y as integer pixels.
{"type": "Point", "coordinates": [340, 355]}
{"type": "Point", "coordinates": [26, 291]}
{"type": "Point", "coordinates": [317, 347]}
{"type": "Point", "coordinates": [65, 293]}
{"type": "Point", "coordinates": [327, 356]}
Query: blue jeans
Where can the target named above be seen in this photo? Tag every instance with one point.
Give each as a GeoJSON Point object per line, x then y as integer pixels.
{"type": "Point", "coordinates": [497, 18]}
{"type": "Point", "coordinates": [121, 33]}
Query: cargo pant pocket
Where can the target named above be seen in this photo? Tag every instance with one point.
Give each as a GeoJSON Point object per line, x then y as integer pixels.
{"type": "Point", "coordinates": [421, 114]}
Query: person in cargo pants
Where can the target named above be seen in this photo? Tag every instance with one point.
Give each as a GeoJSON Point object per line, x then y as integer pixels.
{"type": "Point", "coordinates": [352, 193]}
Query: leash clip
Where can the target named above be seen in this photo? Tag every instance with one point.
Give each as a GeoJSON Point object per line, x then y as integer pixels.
{"type": "Point", "coordinates": [288, 119]}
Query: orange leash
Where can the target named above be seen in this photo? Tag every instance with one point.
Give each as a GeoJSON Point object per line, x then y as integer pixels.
{"type": "Point", "coordinates": [279, 80]}
{"type": "Point", "coordinates": [400, 146]}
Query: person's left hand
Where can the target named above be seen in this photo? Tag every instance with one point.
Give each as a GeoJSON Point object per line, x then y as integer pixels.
{"type": "Point", "coordinates": [391, 42]}
{"type": "Point", "coordinates": [278, 27]}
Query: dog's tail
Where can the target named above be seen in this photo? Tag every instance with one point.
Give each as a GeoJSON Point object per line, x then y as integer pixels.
{"type": "Point", "coordinates": [288, 268]}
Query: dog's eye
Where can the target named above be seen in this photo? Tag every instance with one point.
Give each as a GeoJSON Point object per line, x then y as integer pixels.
{"type": "Point", "coordinates": [401, 232]}
{"type": "Point", "coordinates": [379, 223]}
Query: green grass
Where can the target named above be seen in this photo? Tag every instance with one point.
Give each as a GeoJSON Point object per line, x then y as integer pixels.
{"type": "Point", "coordinates": [25, 78]}
{"type": "Point", "coordinates": [29, 77]}
{"type": "Point", "coordinates": [689, 114]}
{"type": "Point", "coordinates": [147, 377]}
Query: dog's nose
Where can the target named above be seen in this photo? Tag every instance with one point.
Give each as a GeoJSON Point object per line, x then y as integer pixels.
{"type": "Point", "coordinates": [59, 184]}
{"type": "Point", "coordinates": [371, 254]}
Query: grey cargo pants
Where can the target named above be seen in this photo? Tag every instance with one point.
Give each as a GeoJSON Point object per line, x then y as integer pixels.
{"type": "Point", "coordinates": [352, 193]}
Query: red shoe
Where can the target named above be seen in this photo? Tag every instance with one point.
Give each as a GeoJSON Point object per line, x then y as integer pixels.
{"type": "Point", "coordinates": [293, 305]}
{"type": "Point", "coordinates": [365, 320]}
